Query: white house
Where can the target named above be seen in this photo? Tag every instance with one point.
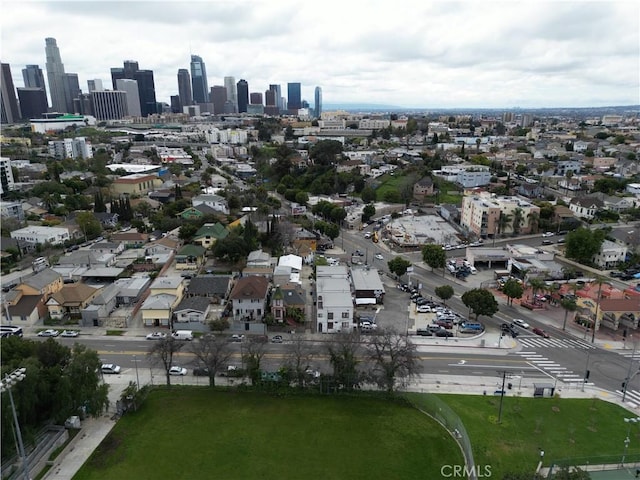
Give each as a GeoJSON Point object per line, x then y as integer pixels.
{"type": "Point", "coordinates": [586, 207]}
{"type": "Point", "coordinates": [213, 201]}
{"type": "Point", "coordinates": [41, 235]}
{"type": "Point", "coordinates": [249, 297]}
{"type": "Point", "coordinates": [610, 254]}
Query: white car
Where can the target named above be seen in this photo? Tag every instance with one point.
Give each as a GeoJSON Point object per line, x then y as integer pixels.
{"type": "Point", "coordinates": [49, 333]}
{"type": "Point", "coordinates": [110, 368]}
{"type": "Point", "coordinates": [520, 323]}
{"type": "Point", "coordinates": [177, 371]}
{"type": "Point", "coordinates": [423, 309]}
{"type": "Point", "coordinates": [379, 256]}
{"type": "Point", "coordinates": [156, 336]}
{"type": "Point", "coordinates": [548, 234]}
{"type": "Point", "coordinates": [70, 333]}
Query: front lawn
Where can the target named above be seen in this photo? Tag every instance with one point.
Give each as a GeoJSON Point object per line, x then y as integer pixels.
{"type": "Point", "coordinates": [201, 433]}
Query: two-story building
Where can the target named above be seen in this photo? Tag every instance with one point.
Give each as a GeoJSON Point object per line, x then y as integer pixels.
{"type": "Point", "coordinates": [69, 301]}
{"type": "Point", "coordinates": [190, 257]}
{"type": "Point", "coordinates": [586, 207]}
{"type": "Point", "coordinates": [135, 184]}
{"type": "Point", "coordinates": [39, 235]}
{"type": "Point", "coordinates": [334, 300]}
{"type": "Point", "coordinates": [249, 297]}
{"type": "Point", "coordinates": [209, 234]}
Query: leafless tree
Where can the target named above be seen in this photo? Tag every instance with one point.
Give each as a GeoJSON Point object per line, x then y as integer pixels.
{"type": "Point", "coordinates": [162, 352]}
{"type": "Point", "coordinates": [393, 356]}
{"type": "Point", "coordinates": [343, 355]}
{"type": "Point", "coordinates": [213, 353]}
{"type": "Point", "coordinates": [254, 350]}
{"type": "Point", "coordinates": [298, 359]}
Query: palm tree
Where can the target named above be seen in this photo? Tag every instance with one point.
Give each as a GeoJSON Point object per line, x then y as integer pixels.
{"type": "Point", "coordinates": [533, 219]}
{"type": "Point", "coordinates": [478, 141]}
{"type": "Point", "coordinates": [569, 305]}
{"type": "Point", "coordinates": [503, 220]}
{"type": "Point", "coordinates": [518, 218]}
{"type": "Point", "coordinates": [536, 284]}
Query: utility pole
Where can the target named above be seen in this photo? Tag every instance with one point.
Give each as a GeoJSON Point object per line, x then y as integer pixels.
{"type": "Point", "coordinates": [595, 318]}
{"type": "Point", "coordinates": [625, 385]}
{"type": "Point", "coordinates": [504, 376]}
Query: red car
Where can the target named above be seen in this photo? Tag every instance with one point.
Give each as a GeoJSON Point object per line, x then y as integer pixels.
{"type": "Point", "coordinates": [539, 331]}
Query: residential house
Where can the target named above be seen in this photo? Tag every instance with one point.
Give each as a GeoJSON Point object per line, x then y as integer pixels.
{"type": "Point", "coordinates": [101, 307]}
{"type": "Point", "coordinates": [304, 240]}
{"type": "Point", "coordinates": [285, 299]}
{"type": "Point", "coordinates": [163, 196]}
{"type": "Point", "coordinates": [156, 310]}
{"type": "Point", "coordinates": [216, 288]}
{"type": "Point", "coordinates": [190, 257]}
{"type": "Point", "coordinates": [628, 238]}
{"type": "Point", "coordinates": [12, 210]}
{"type": "Point", "coordinates": [633, 188]}
{"type": "Point", "coordinates": [192, 310]}
{"type": "Point", "coordinates": [45, 283]}
{"type": "Point", "coordinates": [70, 301]}
{"type": "Point", "coordinates": [423, 188]}
{"type": "Point", "coordinates": [213, 201]}
{"type": "Point", "coordinates": [563, 215]}
{"type": "Point", "coordinates": [618, 204]}
{"type": "Point", "coordinates": [610, 254]}
{"type": "Point", "coordinates": [170, 285]}
{"type": "Point", "coordinates": [165, 245]}
{"type": "Point", "coordinates": [209, 234]}
{"type": "Point", "coordinates": [130, 239]}
{"type": "Point", "coordinates": [334, 301]}
{"type": "Point", "coordinates": [27, 309]}
{"type": "Point", "coordinates": [530, 190]}
{"type": "Point", "coordinates": [586, 207]}
{"type": "Point", "coordinates": [258, 258]}
{"type": "Point", "coordinates": [107, 220]}
{"type": "Point", "coordinates": [87, 258]}
{"type": "Point", "coordinates": [249, 297]}
{"type": "Point", "coordinates": [449, 212]}
{"type": "Point", "coordinates": [107, 247]}
{"type": "Point", "coordinates": [565, 166]}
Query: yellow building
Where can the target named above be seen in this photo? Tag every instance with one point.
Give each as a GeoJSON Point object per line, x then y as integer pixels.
{"type": "Point", "coordinates": [135, 184]}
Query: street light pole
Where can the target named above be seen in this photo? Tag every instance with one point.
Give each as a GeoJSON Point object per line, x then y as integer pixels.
{"type": "Point", "coordinates": [6, 385]}
{"type": "Point", "coordinates": [135, 360]}
{"type": "Point", "coordinates": [595, 319]}
{"type": "Point", "coordinates": [627, 440]}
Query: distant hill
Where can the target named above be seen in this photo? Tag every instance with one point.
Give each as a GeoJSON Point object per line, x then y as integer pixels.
{"type": "Point", "coordinates": [363, 107]}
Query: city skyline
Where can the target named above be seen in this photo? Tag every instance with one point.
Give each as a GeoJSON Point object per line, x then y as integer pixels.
{"type": "Point", "coordinates": [425, 55]}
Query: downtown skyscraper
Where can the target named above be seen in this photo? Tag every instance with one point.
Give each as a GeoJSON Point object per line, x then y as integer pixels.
{"type": "Point", "coordinates": [232, 94]}
{"type": "Point", "coordinates": [199, 83]}
{"type": "Point", "coordinates": [294, 97]}
{"type": "Point", "coordinates": [57, 78]}
{"type": "Point", "coordinates": [146, 85]}
{"type": "Point", "coordinates": [34, 78]}
{"type": "Point", "coordinates": [184, 88]}
{"type": "Point", "coordinates": [243, 95]}
{"type": "Point", "coordinates": [8, 99]}
{"type": "Point", "coordinates": [317, 104]}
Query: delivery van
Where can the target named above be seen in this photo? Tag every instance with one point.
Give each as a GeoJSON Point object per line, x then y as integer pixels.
{"type": "Point", "coordinates": [186, 335]}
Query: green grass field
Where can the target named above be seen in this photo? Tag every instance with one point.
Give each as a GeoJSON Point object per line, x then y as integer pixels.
{"type": "Point", "coordinates": [563, 428]}
{"type": "Point", "coordinates": [186, 433]}
{"type": "Point", "coordinates": [395, 183]}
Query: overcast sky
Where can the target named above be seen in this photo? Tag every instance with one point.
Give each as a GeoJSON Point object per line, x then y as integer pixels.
{"type": "Point", "coordinates": [432, 54]}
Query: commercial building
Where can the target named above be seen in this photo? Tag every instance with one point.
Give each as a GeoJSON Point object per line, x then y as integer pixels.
{"type": "Point", "coordinates": [57, 78]}
{"type": "Point", "coordinates": [184, 88]}
{"type": "Point", "coordinates": [8, 99]}
{"type": "Point", "coordinates": [199, 84]}
{"type": "Point", "coordinates": [40, 235]}
{"type": "Point", "coordinates": [334, 301]}
{"type": "Point", "coordinates": [33, 102]}
{"type": "Point", "coordinates": [317, 106]}
{"type": "Point", "coordinates": [44, 125]}
{"type": "Point", "coordinates": [34, 78]}
{"type": "Point", "coordinates": [77, 147]}
{"type": "Point", "coordinates": [218, 98]}
{"type": "Point", "coordinates": [109, 104]}
{"type": "Point", "coordinates": [294, 97]}
{"type": "Point", "coordinates": [232, 93]}
{"type": "Point", "coordinates": [133, 96]}
{"type": "Point", "coordinates": [486, 214]}
{"type": "Point", "coordinates": [243, 95]}
{"type": "Point", "coordinates": [7, 182]}
{"type": "Point", "coordinates": [135, 184]}
{"type": "Point", "coordinates": [94, 85]}
{"type": "Point", "coordinates": [146, 85]}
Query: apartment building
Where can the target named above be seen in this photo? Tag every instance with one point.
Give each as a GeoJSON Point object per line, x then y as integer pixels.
{"type": "Point", "coordinates": [136, 183]}
{"type": "Point", "coordinates": [486, 214]}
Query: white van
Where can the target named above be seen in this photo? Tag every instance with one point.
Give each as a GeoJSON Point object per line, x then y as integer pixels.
{"type": "Point", "coordinates": [186, 335]}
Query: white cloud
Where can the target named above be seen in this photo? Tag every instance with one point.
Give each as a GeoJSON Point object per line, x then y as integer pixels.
{"type": "Point", "coordinates": [408, 53]}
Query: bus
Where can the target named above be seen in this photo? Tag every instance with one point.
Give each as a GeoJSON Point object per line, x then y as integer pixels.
{"type": "Point", "coordinates": [9, 330]}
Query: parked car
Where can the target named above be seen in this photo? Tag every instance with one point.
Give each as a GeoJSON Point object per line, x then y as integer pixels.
{"type": "Point", "coordinates": [177, 371]}
{"type": "Point", "coordinates": [48, 333]}
{"type": "Point", "coordinates": [276, 339]}
{"type": "Point", "coordinates": [548, 234]}
{"type": "Point", "coordinates": [444, 333]}
{"type": "Point", "coordinates": [423, 309]}
{"type": "Point", "coordinates": [110, 368]}
{"type": "Point", "coordinates": [541, 332]}
{"type": "Point", "coordinates": [156, 336]}
{"type": "Point", "coordinates": [520, 323]}
{"type": "Point", "coordinates": [424, 332]}
{"type": "Point", "coordinates": [236, 338]}
{"type": "Point", "coordinates": [379, 256]}
{"type": "Point", "coordinates": [547, 242]}
{"type": "Point", "coordinates": [201, 372]}
{"type": "Point", "coordinates": [69, 333]}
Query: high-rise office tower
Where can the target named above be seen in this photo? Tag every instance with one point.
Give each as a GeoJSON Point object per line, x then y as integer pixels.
{"type": "Point", "coordinates": [71, 90]}
{"type": "Point", "coordinates": [10, 109]}
{"type": "Point", "coordinates": [184, 88]}
{"type": "Point", "coordinates": [218, 98]}
{"type": "Point", "coordinates": [176, 107]}
{"type": "Point", "coordinates": [317, 105]}
{"type": "Point", "coordinates": [34, 78]}
{"type": "Point", "coordinates": [294, 97]}
{"type": "Point", "coordinates": [83, 104]}
{"type": "Point", "coordinates": [199, 83]}
{"type": "Point", "coordinates": [109, 104]}
{"type": "Point", "coordinates": [133, 96]}
{"type": "Point", "coordinates": [232, 93]}
{"type": "Point", "coordinates": [271, 101]}
{"type": "Point", "coordinates": [278, 96]}
{"type": "Point", "coordinates": [255, 98]}
{"type": "Point", "coordinates": [146, 85]}
{"type": "Point", "coordinates": [95, 85]}
{"type": "Point", "coordinates": [243, 95]}
{"type": "Point", "coordinates": [58, 85]}
{"type": "Point", "coordinates": [33, 102]}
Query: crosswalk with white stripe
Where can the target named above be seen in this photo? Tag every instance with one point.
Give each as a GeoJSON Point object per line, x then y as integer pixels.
{"type": "Point", "coordinates": [539, 342]}
{"type": "Point", "coordinates": [552, 368]}
{"type": "Point", "coordinates": [632, 398]}
{"type": "Point", "coordinates": [631, 354]}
